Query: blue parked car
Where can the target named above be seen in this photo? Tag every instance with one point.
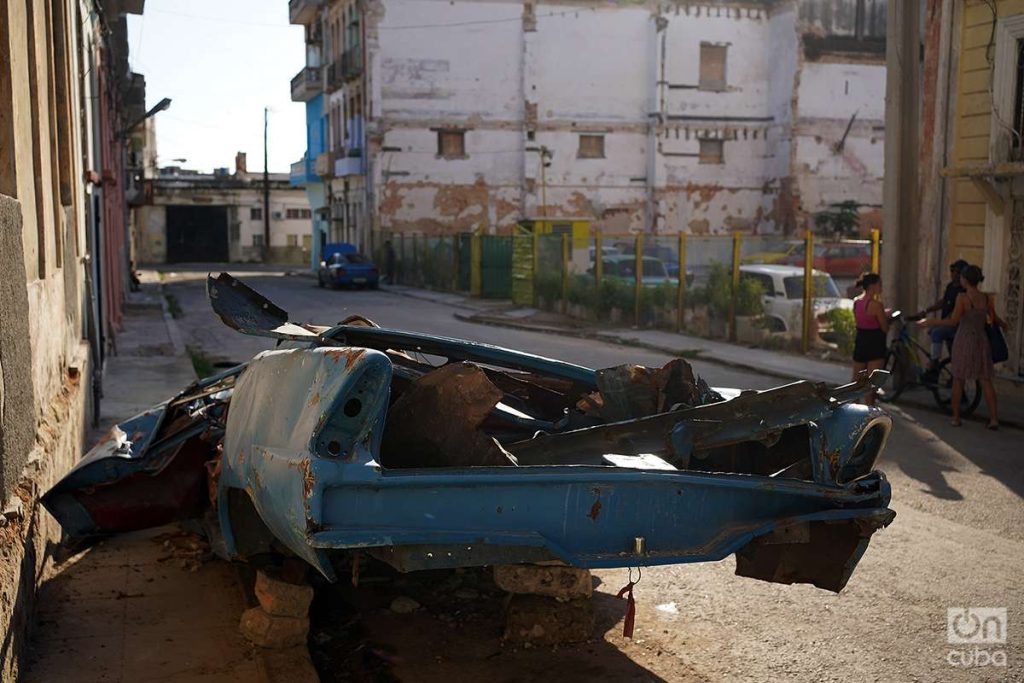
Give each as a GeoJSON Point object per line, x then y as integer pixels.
{"type": "Point", "coordinates": [347, 441]}
{"type": "Point", "coordinates": [346, 267]}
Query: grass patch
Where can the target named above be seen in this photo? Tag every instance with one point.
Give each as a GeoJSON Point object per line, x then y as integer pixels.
{"type": "Point", "coordinates": [173, 307]}
{"type": "Point", "coordinates": [201, 362]}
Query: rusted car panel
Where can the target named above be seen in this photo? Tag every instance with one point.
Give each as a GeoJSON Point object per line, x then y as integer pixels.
{"type": "Point", "coordinates": [429, 452]}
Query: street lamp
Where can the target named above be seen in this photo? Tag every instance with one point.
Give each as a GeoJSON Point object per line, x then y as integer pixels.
{"type": "Point", "coordinates": [162, 105]}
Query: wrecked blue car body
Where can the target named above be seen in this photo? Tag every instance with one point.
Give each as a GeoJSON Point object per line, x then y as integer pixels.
{"type": "Point", "coordinates": [427, 452]}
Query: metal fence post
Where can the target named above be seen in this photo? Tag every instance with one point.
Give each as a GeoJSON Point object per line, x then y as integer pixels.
{"type": "Point", "coordinates": [681, 285]}
{"type": "Point", "coordinates": [400, 275]}
{"type": "Point", "coordinates": [415, 263]}
{"type": "Point", "coordinates": [638, 280]}
{"type": "Point", "coordinates": [808, 307]}
{"type": "Point", "coordinates": [456, 260]}
{"type": "Point", "coordinates": [535, 246]}
{"type": "Point", "coordinates": [565, 274]}
{"type": "Point", "coordinates": [876, 243]}
{"type": "Point", "coordinates": [475, 265]}
{"type": "Point", "coordinates": [737, 246]}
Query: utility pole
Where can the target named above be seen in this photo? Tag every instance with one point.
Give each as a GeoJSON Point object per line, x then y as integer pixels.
{"type": "Point", "coordinates": [266, 193]}
{"type": "Point", "coordinates": [545, 155]}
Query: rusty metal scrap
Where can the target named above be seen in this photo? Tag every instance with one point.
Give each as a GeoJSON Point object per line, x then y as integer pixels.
{"type": "Point", "coordinates": [436, 421]}
{"type": "Point", "coordinates": [633, 391]}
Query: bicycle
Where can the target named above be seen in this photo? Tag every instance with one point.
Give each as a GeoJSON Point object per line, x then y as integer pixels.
{"type": "Point", "coordinates": [907, 363]}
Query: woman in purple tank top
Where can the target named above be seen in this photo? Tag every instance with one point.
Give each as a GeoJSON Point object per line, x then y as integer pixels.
{"type": "Point", "coordinates": [872, 325]}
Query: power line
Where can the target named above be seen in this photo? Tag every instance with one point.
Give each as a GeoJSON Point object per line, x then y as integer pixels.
{"type": "Point", "coordinates": [481, 21]}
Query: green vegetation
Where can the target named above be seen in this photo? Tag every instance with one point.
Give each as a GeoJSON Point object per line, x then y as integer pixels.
{"type": "Point", "coordinates": [749, 297]}
{"type": "Point", "coordinates": [719, 291]}
{"type": "Point", "coordinates": [201, 362]}
{"type": "Point", "coordinates": [841, 219]}
{"type": "Point", "coordinates": [844, 328]}
{"type": "Point", "coordinates": [173, 307]}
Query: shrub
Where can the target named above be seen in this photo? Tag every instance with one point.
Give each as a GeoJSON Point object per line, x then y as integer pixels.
{"type": "Point", "coordinates": [844, 328]}
{"type": "Point", "coordinates": [549, 286]}
{"type": "Point", "coordinates": [614, 293]}
{"type": "Point", "coordinates": [583, 291]}
{"type": "Point", "coordinates": [719, 290]}
{"type": "Point", "coordinates": [749, 297]}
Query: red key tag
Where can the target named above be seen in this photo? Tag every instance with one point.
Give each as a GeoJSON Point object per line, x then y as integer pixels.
{"type": "Point", "coordinates": [627, 592]}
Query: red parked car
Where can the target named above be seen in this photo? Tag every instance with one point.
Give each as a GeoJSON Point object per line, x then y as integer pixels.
{"type": "Point", "coordinates": [847, 259]}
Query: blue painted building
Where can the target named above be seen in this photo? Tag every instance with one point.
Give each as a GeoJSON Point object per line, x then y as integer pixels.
{"type": "Point", "coordinates": [304, 174]}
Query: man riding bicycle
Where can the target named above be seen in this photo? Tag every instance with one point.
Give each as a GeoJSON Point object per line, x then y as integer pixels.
{"type": "Point", "coordinates": [944, 334]}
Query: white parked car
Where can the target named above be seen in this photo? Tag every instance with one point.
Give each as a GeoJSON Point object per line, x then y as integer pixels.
{"type": "Point", "coordinates": [784, 295]}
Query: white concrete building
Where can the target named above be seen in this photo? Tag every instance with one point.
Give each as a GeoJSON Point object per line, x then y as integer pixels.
{"type": "Point", "coordinates": [703, 117]}
{"type": "Point", "coordinates": [190, 216]}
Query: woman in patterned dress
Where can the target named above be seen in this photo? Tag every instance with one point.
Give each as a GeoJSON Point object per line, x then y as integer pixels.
{"type": "Point", "coordinates": [972, 352]}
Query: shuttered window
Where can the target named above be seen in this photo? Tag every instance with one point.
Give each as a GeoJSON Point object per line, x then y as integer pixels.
{"type": "Point", "coordinates": [451, 144]}
{"type": "Point", "coordinates": [712, 67]}
{"type": "Point", "coordinates": [591, 147]}
{"type": "Point", "coordinates": [712, 152]}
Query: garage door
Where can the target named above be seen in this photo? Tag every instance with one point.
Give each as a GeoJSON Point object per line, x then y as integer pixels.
{"type": "Point", "coordinates": [197, 233]}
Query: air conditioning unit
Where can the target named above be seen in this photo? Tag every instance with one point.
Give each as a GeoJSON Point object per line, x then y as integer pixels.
{"type": "Point", "coordinates": [277, 215]}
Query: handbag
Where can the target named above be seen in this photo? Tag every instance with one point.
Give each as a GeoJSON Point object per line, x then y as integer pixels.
{"type": "Point", "coordinates": [1000, 351]}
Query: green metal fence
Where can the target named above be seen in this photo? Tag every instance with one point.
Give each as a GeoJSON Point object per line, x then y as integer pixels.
{"type": "Point", "coordinates": [763, 290]}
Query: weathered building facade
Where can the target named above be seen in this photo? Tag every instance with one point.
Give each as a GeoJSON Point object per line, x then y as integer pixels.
{"type": "Point", "coordinates": [67, 101]}
{"type": "Point", "coordinates": [955, 183]}
{"type": "Point", "coordinates": [659, 116]}
{"type": "Point", "coordinates": [189, 216]}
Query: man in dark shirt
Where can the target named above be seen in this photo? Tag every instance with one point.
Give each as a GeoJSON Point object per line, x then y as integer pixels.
{"type": "Point", "coordinates": [945, 333]}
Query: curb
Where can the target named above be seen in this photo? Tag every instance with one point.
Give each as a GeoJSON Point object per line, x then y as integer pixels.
{"type": "Point", "coordinates": [410, 295]}
{"type": "Point", "coordinates": [173, 331]}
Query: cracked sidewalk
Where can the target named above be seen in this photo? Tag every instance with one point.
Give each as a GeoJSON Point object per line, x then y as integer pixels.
{"type": "Point", "coordinates": [153, 605]}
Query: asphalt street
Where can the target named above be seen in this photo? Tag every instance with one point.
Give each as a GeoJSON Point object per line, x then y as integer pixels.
{"type": "Point", "coordinates": [957, 541]}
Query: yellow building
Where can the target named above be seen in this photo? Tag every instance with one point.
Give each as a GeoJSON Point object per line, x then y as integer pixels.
{"type": "Point", "coordinates": [955, 178]}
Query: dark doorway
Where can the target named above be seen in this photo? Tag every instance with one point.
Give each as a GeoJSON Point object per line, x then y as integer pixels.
{"type": "Point", "coordinates": [197, 233]}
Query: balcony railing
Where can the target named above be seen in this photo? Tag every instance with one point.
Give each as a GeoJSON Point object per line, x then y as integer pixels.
{"type": "Point", "coordinates": [303, 11]}
{"type": "Point", "coordinates": [349, 164]}
{"type": "Point", "coordinates": [336, 74]}
{"type": "Point", "coordinates": [352, 63]}
{"type": "Point", "coordinates": [306, 85]}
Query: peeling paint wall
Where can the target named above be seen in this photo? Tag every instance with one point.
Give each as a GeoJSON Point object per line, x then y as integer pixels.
{"type": "Point", "coordinates": [839, 109]}
{"type": "Point", "coordinates": [519, 78]}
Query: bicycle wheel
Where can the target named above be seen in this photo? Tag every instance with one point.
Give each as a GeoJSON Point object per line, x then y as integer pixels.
{"type": "Point", "coordinates": [898, 368]}
{"type": "Point", "coordinates": [943, 391]}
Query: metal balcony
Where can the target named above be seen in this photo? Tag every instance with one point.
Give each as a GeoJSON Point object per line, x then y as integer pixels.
{"type": "Point", "coordinates": [306, 85]}
{"type": "Point", "coordinates": [303, 11]}
{"type": "Point", "coordinates": [350, 164]}
{"type": "Point", "coordinates": [335, 74]}
{"type": "Point", "coordinates": [352, 63]}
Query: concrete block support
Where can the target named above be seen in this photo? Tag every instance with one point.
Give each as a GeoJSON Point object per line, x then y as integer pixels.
{"type": "Point", "coordinates": [553, 581]}
{"type": "Point", "coordinates": [272, 631]}
{"type": "Point", "coordinates": [282, 598]}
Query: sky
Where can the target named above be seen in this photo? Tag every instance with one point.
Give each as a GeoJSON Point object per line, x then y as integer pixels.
{"type": "Point", "coordinates": [221, 62]}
